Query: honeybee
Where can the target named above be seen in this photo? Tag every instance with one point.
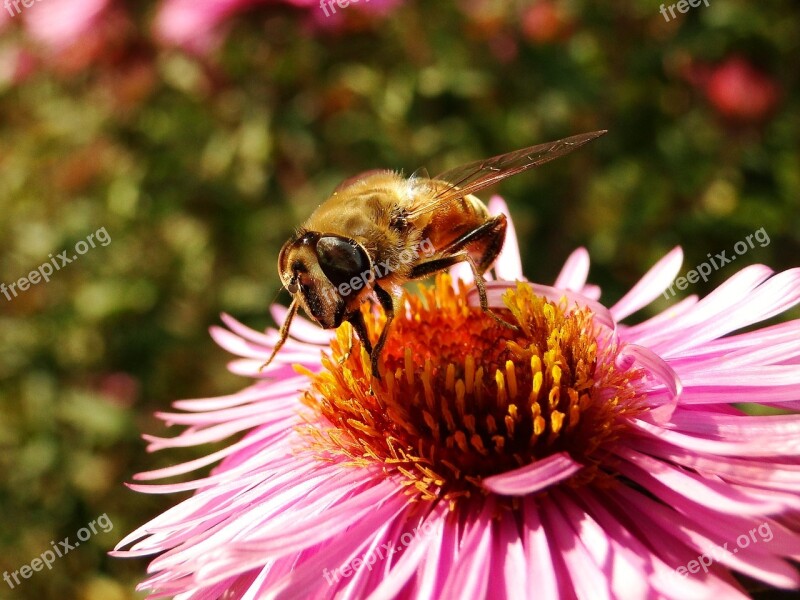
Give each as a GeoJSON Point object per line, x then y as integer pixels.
{"type": "Point", "coordinates": [380, 229]}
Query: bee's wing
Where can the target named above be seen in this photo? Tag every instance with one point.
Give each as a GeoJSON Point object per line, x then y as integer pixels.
{"type": "Point", "coordinates": [474, 176]}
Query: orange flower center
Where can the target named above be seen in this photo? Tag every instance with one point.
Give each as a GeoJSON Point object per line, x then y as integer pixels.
{"type": "Point", "coordinates": [462, 397]}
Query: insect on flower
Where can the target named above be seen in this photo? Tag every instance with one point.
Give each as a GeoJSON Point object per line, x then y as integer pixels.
{"type": "Point", "coordinates": [360, 243]}
{"type": "Point", "coordinates": [576, 457]}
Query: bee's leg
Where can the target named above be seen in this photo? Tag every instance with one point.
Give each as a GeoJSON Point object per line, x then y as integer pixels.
{"type": "Point", "coordinates": [485, 241]}
{"type": "Point", "coordinates": [284, 334]}
{"type": "Point", "coordinates": [360, 327]}
{"type": "Point", "coordinates": [388, 302]}
{"type": "Point", "coordinates": [481, 285]}
{"type": "Point", "coordinates": [440, 264]}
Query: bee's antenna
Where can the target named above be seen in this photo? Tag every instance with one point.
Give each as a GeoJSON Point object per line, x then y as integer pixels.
{"type": "Point", "coordinates": [283, 334]}
{"type": "Point", "coordinates": [275, 297]}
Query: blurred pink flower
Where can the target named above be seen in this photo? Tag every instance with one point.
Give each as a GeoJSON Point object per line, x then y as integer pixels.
{"type": "Point", "coordinates": [59, 24]}
{"type": "Point", "coordinates": [735, 88]}
{"type": "Point", "coordinates": [741, 92]}
{"type": "Point", "coordinates": [195, 25]}
{"type": "Point", "coordinates": [192, 24]}
{"type": "Point", "coordinates": [545, 22]}
{"type": "Point", "coordinates": [577, 457]}
{"type": "Point", "coordinates": [67, 35]}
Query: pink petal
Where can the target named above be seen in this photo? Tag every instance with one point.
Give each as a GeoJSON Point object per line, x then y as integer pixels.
{"type": "Point", "coordinates": [583, 574]}
{"type": "Point", "coordinates": [773, 570]}
{"type": "Point", "coordinates": [658, 368]}
{"type": "Point", "coordinates": [412, 559]}
{"type": "Point", "coordinates": [776, 295]}
{"type": "Point", "coordinates": [470, 576]}
{"type": "Point", "coordinates": [360, 541]}
{"type": "Point", "coordinates": [752, 446]}
{"type": "Point", "coordinates": [62, 23]}
{"type": "Point", "coordinates": [591, 291]}
{"type": "Point", "coordinates": [260, 391]}
{"type": "Point", "coordinates": [543, 575]}
{"type": "Point", "coordinates": [655, 324]}
{"type": "Point", "coordinates": [740, 285]}
{"type": "Point", "coordinates": [632, 548]}
{"type": "Point", "coordinates": [574, 272]}
{"type": "Point", "coordinates": [651, 286]}
{"type": "Point", "coordinates": [627, 572]}
{"type": "Point", "coordinates": [509, 562]}
{"type": "Point", "coordinates": [508, 265]}
{"type": "Point", "coordinates": [770, 475]}
{"type": "Point", "coordinates": [669, 482]}
{"type": "Point", "coordinates": [534, 477]}
{"type": "Point", "coordinates": [664, 535]}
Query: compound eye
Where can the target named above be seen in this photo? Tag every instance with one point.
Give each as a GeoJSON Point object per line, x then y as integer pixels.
{"type": "Point", "coordinates": [292, 288]}
{"type": "Point", "coordinates": [341, 259]}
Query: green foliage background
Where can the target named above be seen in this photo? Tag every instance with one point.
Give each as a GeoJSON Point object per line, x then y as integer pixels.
{"type": "Point", "coordinates": [199, 168]}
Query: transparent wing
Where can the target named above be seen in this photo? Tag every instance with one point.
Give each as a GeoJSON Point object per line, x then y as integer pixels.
{"type": "Point", "coordinates": [475, 176]}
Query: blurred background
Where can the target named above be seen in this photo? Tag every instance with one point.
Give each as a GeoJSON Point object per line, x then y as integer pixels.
{"type": "Point", "coordinates": [198, 133]}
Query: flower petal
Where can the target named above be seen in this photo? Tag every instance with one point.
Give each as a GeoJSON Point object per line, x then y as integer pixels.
{"type": "Point", "coordinates": [470, 576]}
{"type": "Point", "coordinates": [655, 366]}
{"type": "Point", "coordinates": [508, 265]}
{"type": "Point", "coordinates": [651, 286]}
{"type": "Point", "coordinates": [534, 477]}
{"type": "Point", "coordinates": [574, 272]}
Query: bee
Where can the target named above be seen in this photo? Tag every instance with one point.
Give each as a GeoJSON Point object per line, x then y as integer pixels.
{"type": "Point", "coordinates": [379, 230]}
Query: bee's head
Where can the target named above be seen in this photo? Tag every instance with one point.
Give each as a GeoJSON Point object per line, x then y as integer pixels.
{"type": "Point", "coordinates": [329, 274]}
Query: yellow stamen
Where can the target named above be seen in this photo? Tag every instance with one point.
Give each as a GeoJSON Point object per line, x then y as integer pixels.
{"type": "Point", "coordinates": [463, 398]}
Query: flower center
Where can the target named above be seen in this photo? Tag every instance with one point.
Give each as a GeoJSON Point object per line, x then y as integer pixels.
{"type": "Point", "coordinates": [463, 397]}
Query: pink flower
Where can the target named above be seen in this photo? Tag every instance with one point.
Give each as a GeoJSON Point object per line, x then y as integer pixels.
{"type": "Point", "coordinates": [59, 24]}
{"type": "Point", "coordinates": [67, 35]}
{"type": "Point", "coordinates": [192, 24]}
{"type": "Point", "coordinates": [545, 22]}
{"type": "Point", "coordinates": [575, 457]}
{"type": "Point", "coordinates": [736, 89]}
{"type": "Point", "coordinates": [740, 91]}
{"type": "Point", "coordinates": [195, 25]}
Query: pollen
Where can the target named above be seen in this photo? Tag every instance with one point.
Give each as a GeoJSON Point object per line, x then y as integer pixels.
{"type": "Point", "coordinates": [462, 397]}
